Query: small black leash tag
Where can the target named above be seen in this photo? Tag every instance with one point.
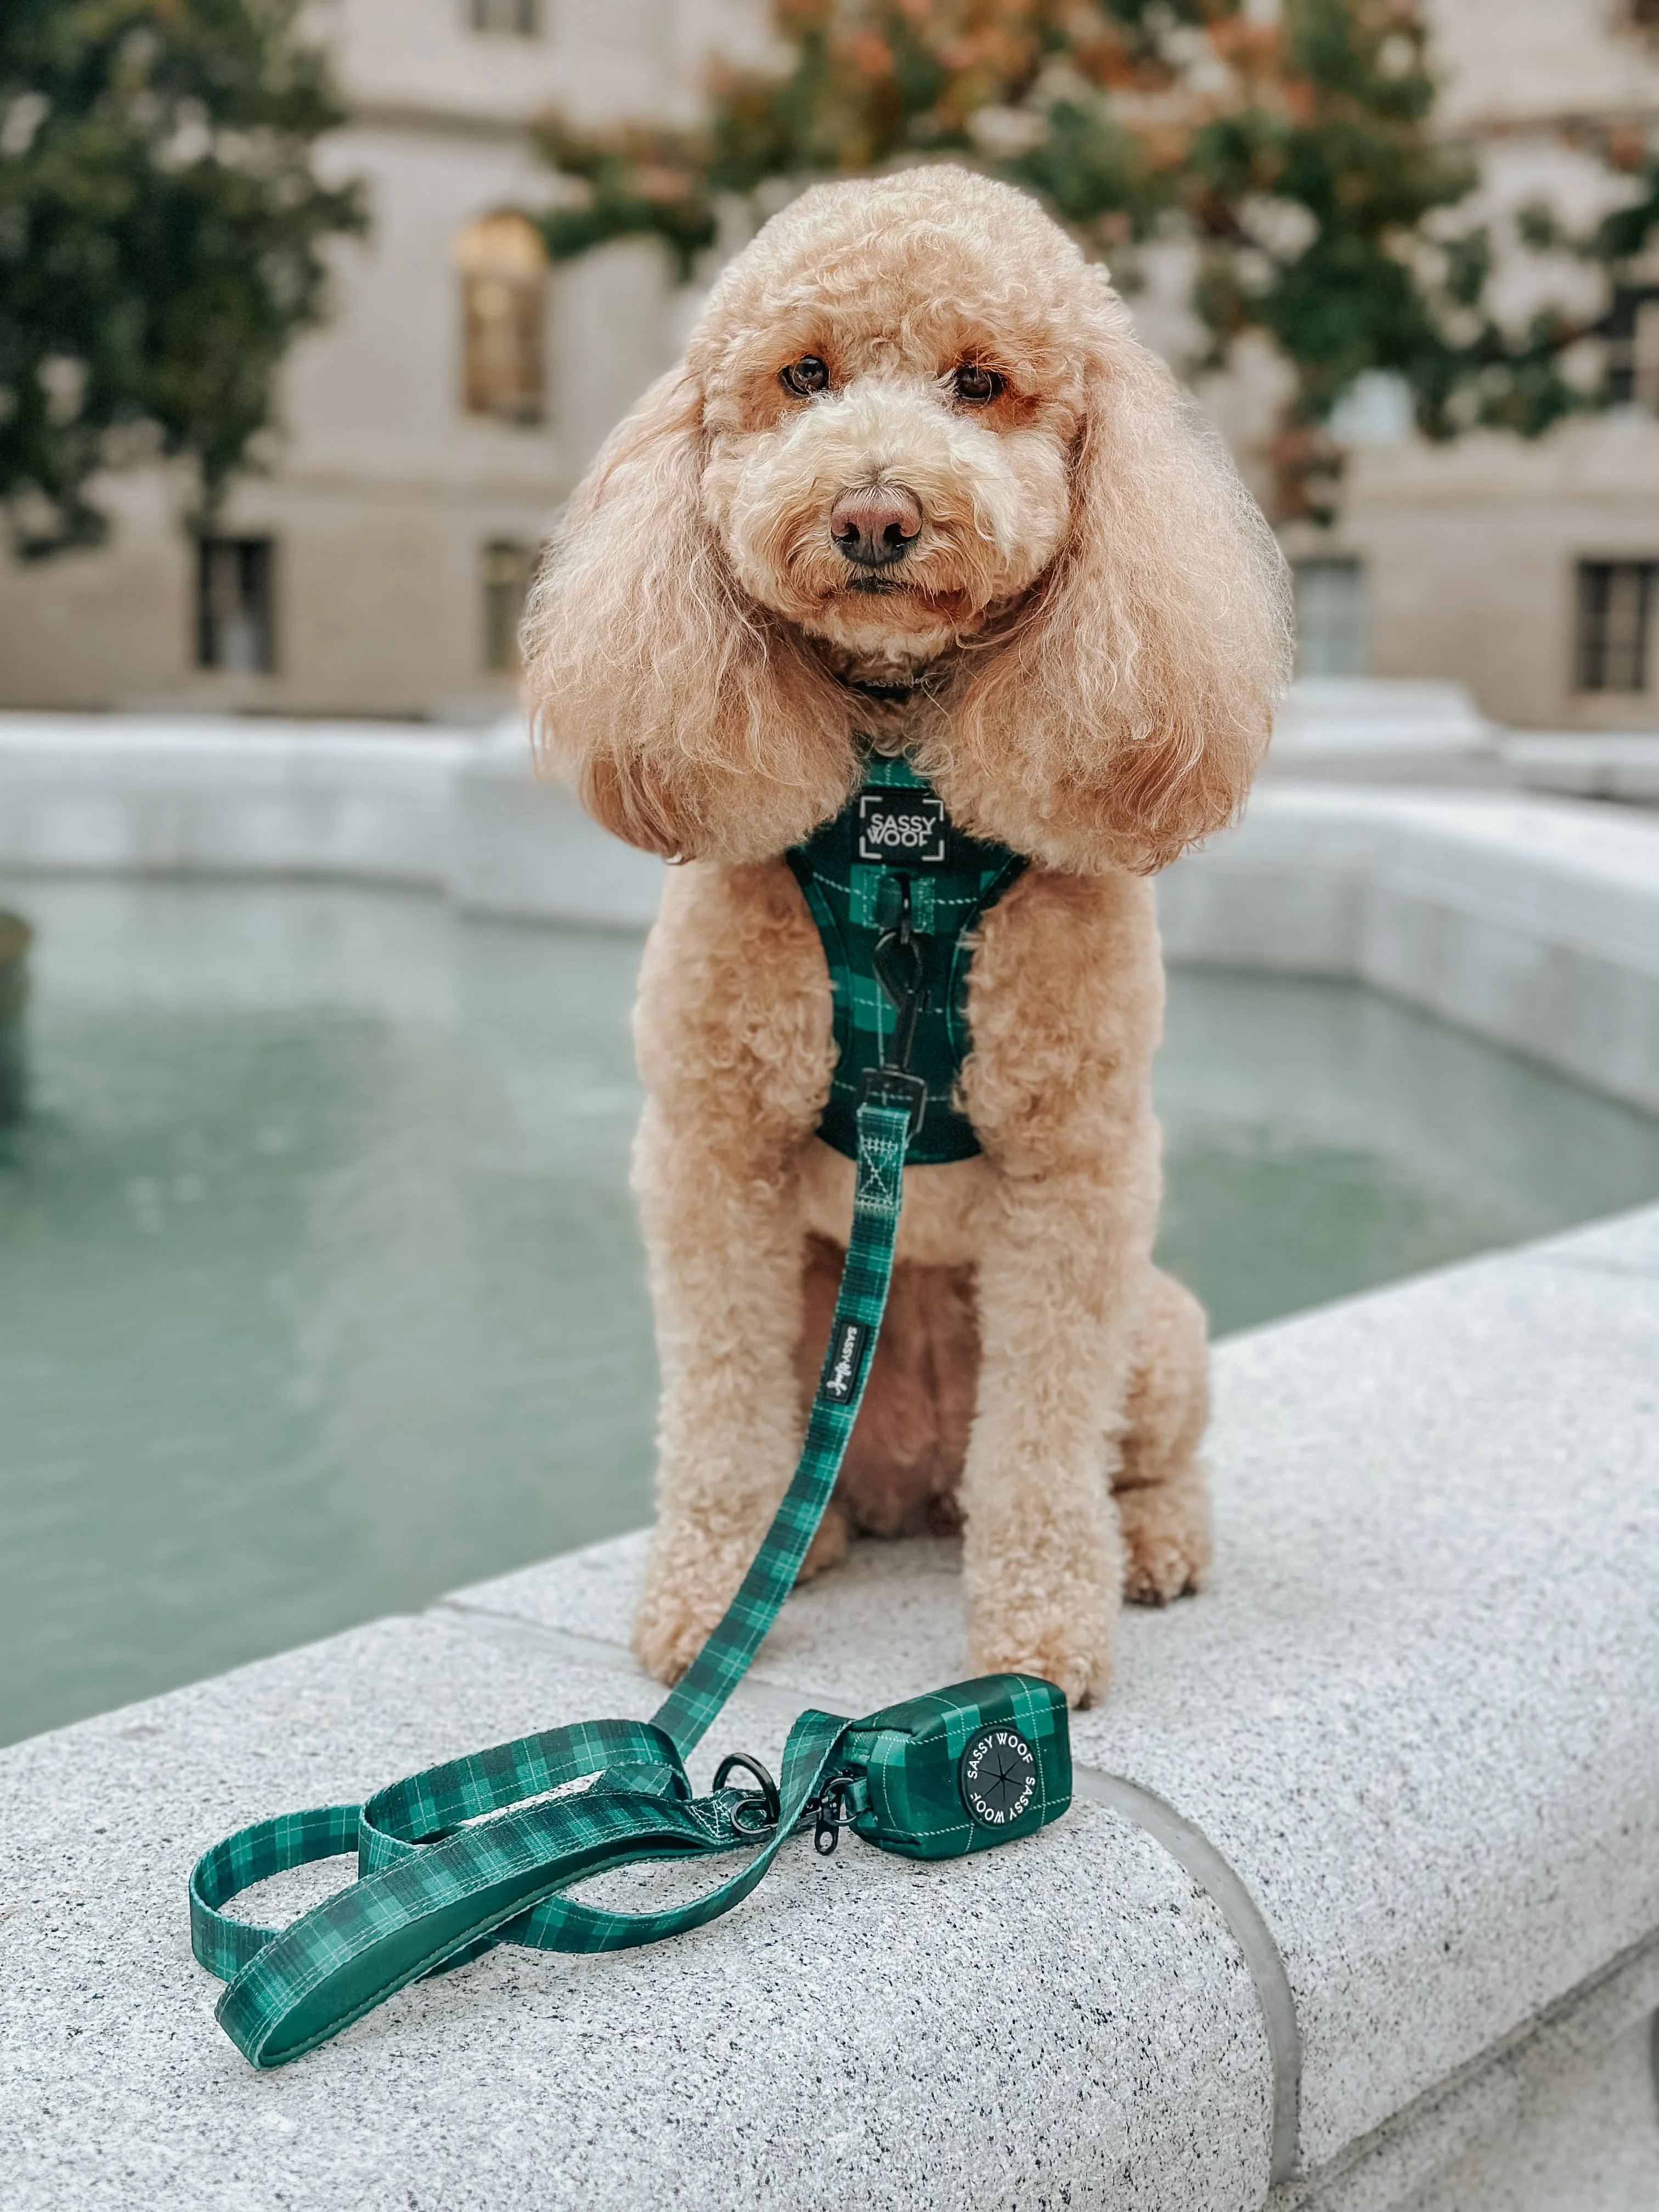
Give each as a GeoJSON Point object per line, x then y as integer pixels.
{"type": "Point", "coordinates": [896, 826]}
{"type": "Point", "coordinates": [844, 1362]}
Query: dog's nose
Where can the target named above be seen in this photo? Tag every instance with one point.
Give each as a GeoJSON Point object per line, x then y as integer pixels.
{"type": "Point", "coordinates": [876, 525]}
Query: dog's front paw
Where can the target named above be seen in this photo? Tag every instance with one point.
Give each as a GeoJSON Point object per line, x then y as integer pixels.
{"type": "Point", "coordinates": [1075, 1655]}
{"type": "Point", "coordinates": [678, 1612]}
{"type": "Point", "coordinates": [1166, 1541]}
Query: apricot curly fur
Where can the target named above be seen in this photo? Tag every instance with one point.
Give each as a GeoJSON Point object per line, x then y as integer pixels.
{"type": "Point", "coordinates": [1082, 647]}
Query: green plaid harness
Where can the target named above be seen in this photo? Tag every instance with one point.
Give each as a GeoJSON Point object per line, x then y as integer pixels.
{"type": "Point", "coordinates": [485, 1848]}
{"type": "Point", "coordinates": [890, 852]}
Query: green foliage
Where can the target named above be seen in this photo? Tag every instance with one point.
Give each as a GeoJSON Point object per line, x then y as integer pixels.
{"type": "Point", "coordinates": [1295, 159]}
{"type": "Point", "coordinates": [639, 182]}
{"type": "Point", "coordinates": [161, 239]}
{"type": "Point", "coordinates": [872, 81]}
{"type": "Point", "coordinates": [1383, 280]}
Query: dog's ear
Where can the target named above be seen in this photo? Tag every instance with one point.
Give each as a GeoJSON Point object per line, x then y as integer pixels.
{"type": "Point", "coordinates": [1123, 715]}
{"type": "Point", "coordinates": [690, 723]}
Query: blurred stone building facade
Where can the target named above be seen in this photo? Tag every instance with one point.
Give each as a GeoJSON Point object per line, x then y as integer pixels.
{"type": "Point", "coordinates": [1529, 573]}
{"type": "Point", "coordinates": [432, 429]}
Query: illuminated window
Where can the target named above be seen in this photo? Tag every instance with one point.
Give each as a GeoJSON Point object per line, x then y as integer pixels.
{"type": "Point", "coordinates": [507, 570]}
{"type": "Point", "coordinates": [1615, 605]}
{"type": "Point", "coordinates": [1330, 617]}
{"type": "Point", "coordinates": [236, 604]}
{"type": "Point", "coordinates": [503, 269]}
{"type": "Point", "coordinates": [517, 19]}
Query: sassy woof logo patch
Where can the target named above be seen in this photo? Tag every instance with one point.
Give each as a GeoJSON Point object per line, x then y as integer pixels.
{"type": "Point", "coordinates": [844, 1363]}
{"type": "Point", "coordinates": [998, 1776]}
{"type": "Point", "coordinates": [901, 825]}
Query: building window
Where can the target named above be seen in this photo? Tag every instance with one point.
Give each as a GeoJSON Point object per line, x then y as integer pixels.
{"type": "Point", "coordinates": [1633, 348]}
{"type": "Point", "coordinates": [515, 19]}
{"type": "Point", "coordinates": [236, 604]}
{"type": "Point", "coordinates": [503, 267]}
{"type": "Point", "coordinates": [507, 570]}
{"type": "Point", "coordinates": [1376, 410]}
{"type": "Point", "coordinates": [1615, 600]}
{"type": "Point", "coordinates": [1330, 617]}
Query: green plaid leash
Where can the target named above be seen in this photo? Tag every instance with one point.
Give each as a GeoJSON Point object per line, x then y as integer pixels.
{"type": "Point", "coordinates": [884, 1122]}
{"type": "Point", "coordinates": [482, 1850]}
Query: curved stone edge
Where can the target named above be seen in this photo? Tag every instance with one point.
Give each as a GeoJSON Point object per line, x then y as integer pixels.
{"type": "Point", "coordinates": [1188, 1845]}
{"type": "Point", "coordinates": [1534, 922]}
{"type": "Point", "coordinates": [1184, 1840]}
{"type": "Point", "coordinates": [1124, 2057]}
{"type": "Point", "coordinates": [1555, 1304]}
{"type": "Point", "coordinates": [451, 812]}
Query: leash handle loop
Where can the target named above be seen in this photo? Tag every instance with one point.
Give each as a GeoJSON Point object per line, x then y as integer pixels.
{"type": "Point", "coordinates": [447, 1900]}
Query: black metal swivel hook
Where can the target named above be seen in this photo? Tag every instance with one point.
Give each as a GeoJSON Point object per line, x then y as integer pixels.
{"type": "Point", "coordinates": [833, 1809]}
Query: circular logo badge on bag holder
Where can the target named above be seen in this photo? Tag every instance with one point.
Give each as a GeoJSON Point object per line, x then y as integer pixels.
{"type": "Point", "coordinates": [998, 1775]}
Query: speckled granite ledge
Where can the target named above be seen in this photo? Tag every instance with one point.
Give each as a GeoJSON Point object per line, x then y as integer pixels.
{"type": "Point", "coordinates": [1358, 1910]}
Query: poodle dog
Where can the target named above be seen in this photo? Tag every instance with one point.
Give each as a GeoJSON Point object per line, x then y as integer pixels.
{"type": "Point", "coordinates": [917, 487]}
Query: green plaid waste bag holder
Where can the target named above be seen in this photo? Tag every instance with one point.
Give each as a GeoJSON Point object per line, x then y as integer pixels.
{"type": "Point", "coordinates": [487, 1848]}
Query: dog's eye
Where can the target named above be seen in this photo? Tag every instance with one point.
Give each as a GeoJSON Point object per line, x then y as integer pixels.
{"type": "Point", "coordinates": [975, 387]}
{"type": "Point", "coordinates": [805, 376]}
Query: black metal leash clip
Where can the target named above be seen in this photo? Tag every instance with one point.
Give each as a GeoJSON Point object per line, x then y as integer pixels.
{"type": "Point", "coordinates": [765, 1801]}
{"type": "Point", "coordinates": [901, 974]}
{"type": "Point", "coordinates": [833, 1809]}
